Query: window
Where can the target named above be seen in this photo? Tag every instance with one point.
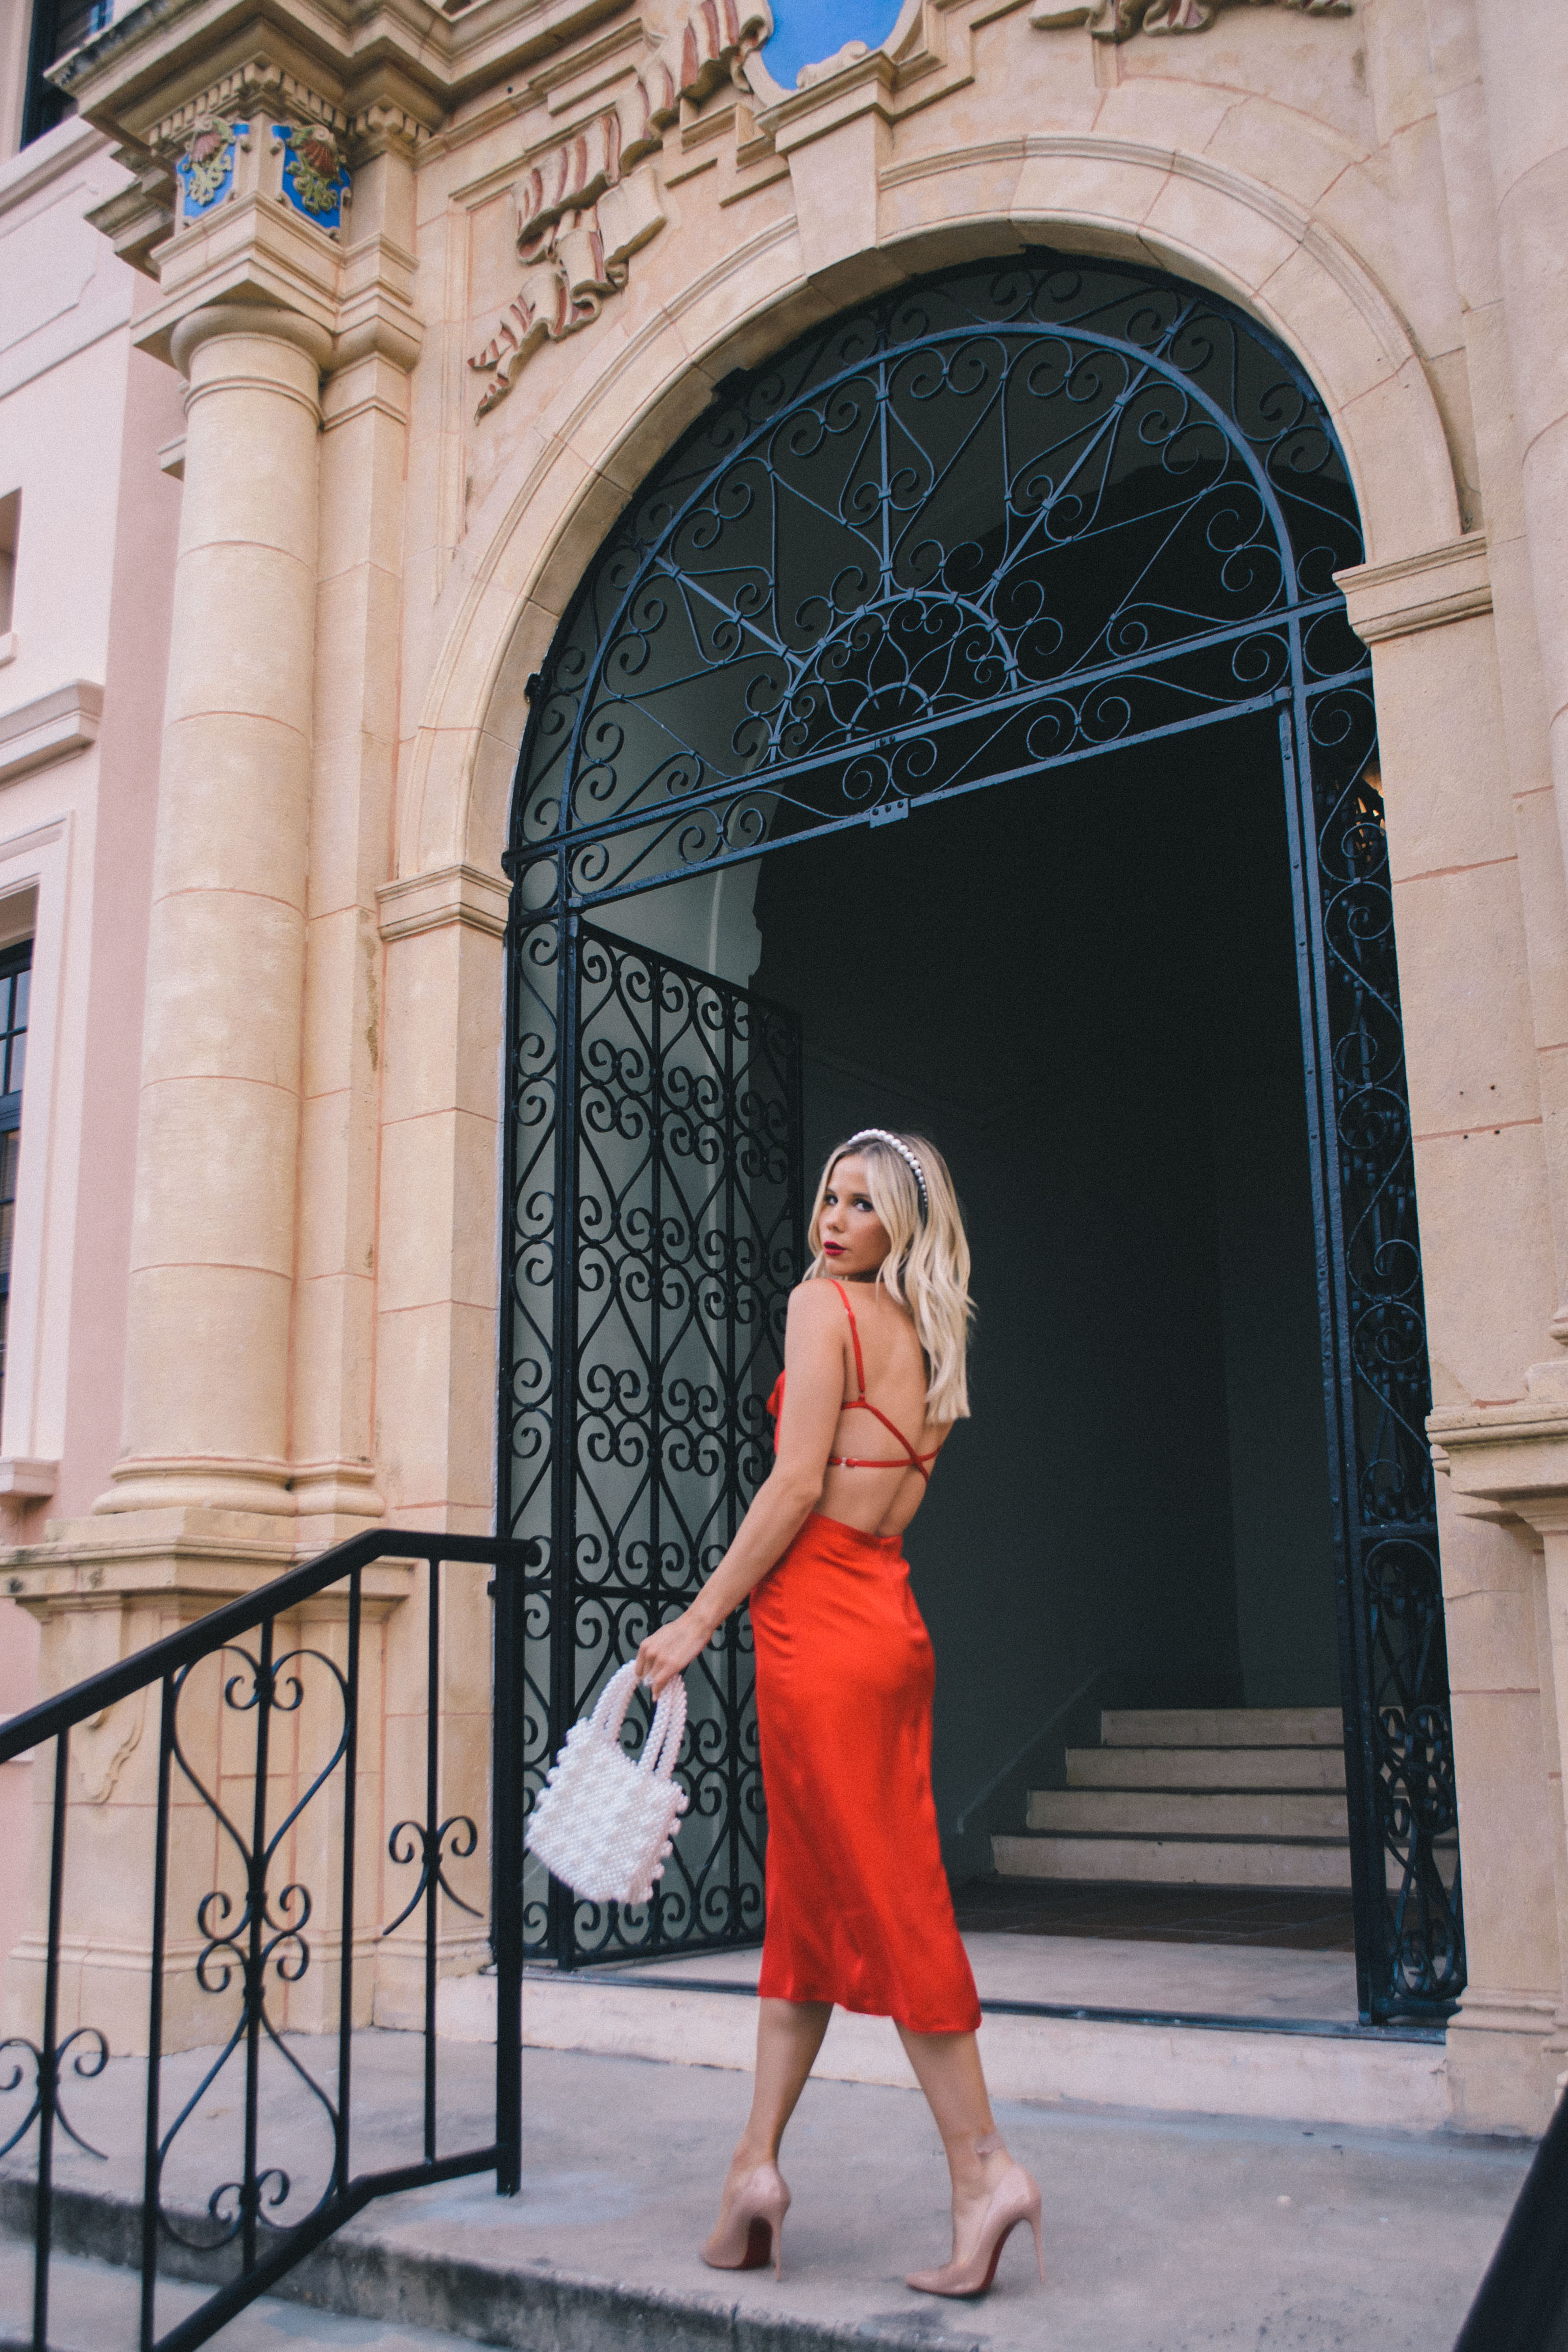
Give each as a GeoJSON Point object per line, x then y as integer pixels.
{"type": "Point", "coordinates": [10, 520]}
{"type": "Point", "coordinates": [59, 26]}
{"type": "Point", "coordinates": [16, 973]}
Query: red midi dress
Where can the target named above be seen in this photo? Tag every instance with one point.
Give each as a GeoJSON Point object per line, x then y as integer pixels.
{"type": "Point", "coordinates": [859, 1909]}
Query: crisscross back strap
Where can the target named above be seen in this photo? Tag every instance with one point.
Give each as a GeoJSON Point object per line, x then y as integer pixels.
{"type": "Point", "coordinates": [862, 1403]}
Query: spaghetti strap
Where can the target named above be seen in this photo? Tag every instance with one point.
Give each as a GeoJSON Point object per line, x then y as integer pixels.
{"type": "Point", "coordinates": [855, 1334]}
{"type": "Point", "coordinates": [861, 1403]}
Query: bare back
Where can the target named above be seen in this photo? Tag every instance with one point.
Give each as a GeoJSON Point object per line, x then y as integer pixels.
{"type": "Point", "coordinates": [869, 1482]}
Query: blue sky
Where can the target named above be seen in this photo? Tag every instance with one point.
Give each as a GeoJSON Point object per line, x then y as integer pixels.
{"type": "Point", "coordinates": [808, 30]}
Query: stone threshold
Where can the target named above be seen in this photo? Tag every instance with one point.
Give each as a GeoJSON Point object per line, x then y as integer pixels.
{"type": "Point", "coordinates": [1334, 2027]}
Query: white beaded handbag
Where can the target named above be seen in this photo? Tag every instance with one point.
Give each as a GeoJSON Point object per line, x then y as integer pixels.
{"type": "Point", "coordinates": [605, 1821]}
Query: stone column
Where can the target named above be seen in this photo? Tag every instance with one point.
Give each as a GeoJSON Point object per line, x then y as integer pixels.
{"type": "Point", "coordinates": [212, 1276]}
{"type": "Point", "coordinates": [1524, 67]}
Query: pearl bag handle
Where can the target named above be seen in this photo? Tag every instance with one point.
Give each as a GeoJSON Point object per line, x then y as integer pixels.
{"type": "Point", "coordinates": [662, 1745]}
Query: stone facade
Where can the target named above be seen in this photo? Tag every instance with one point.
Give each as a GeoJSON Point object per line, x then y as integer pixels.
{"type": "Point", "coordinates": [435, 287]}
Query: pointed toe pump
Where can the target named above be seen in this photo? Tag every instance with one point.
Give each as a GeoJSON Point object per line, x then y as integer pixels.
{"type": "Point", "coordinates": [1016, 2197]}
{"type": "Point", "coordinates": [749, 2232]}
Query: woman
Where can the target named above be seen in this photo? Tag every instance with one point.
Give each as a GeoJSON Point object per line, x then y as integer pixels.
{"type": "Point", "coordinates": [859, 1907]}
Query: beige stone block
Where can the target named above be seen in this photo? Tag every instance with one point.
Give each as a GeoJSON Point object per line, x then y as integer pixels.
{"type": "Point", "coordinates": [1505, 1837]}
{"type": "Point", "coordinates": [506, 713]}
{"type": "Point", "coordinates": [481, 1024]}
{"type": "Point", "coordinates": [422, 983]}
{"type": "Point", "coordinates": [233, 788]}
{"type": "Point", "coordinates": [224, 988]}
{"type": "Point", "coordinates": [1190, 219]}
{"type": "Point", "coordinates": [1449, 377]}
{"type": "Point", "coordinates": [1344, 350]}
{"type": "Point", "coordinates": [492, 783]}
{"type": "Point", "coordinates": [1391, 212]}
{"type": "Point", "coordinates": [353, 785]}
{"type": "Point", "coordinates": [224, 1149]}
{"type": "Point", "coordinates": [1464, 987]}
{"type": "Point", "coordinates": [331, 1172]}
{"type": "Point", "coordinates": [241, 636]}
{"type": "Point", "coordinates": [343, 976]}
{"type": "Point", "coordinates": [250, 477]}
{"type": "Point", "coordinates": [1531, 215]}
{"type": "Point", "coordinates": [636, 409]}
{"type": "Point", "coordinates": [742, 319]}
{"type": "Point", "coordinates": [1486, 1262]}
{"type": "Point", "coordinates": [1546, 493]}
{"type": "Point", "coordinates": [1446, 779]}
{"type": "Point", "coordinates": [1399, 458]}
{"type": "Point", "coordinates": [963, 204]}
{"type": "Point", "coordinates": [1280, 147]}
{"type": "Point", "coordinates": [1490, 1580]}
{"type": "Point", "coordinates": [1519, 664]}
{"type": "Point", "coordinates": [436, 1408]}
{"type": "Point", "coordinates": [1161, 113]}
{"type": "Point", "coordinates": [437, 1210]}
{"type": "Point", "coordinates": [939, 245]}
{"type": "Point", "coordinates": [835, 181]}
{"type": "Point", "coordinates": [334, 1347]}
{"type": "Point", "coordinates": [361, 495]}
{"type": "Point", "coordinates": [208, 1372]}
{"type": "Point", "coordinates": [1074, 195]}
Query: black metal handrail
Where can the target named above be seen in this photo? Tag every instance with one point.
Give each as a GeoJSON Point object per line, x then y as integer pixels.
{"type": "Point", "coordinates": [254, 1937]}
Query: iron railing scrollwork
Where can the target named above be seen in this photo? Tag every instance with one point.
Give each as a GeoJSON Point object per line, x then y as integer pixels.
{"type": "Point", "coordinates": [983, 529]}
{"type": "Point", "coordinates": [257, 1892]}
{"type": "Point", "coordinates": [679, 1149]}
{"type": "Point", "coordinates": [1394, 1660]}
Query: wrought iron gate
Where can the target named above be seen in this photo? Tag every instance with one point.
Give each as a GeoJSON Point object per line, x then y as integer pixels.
{"type": "Point", "coordinates": [663, 1111]}
{"type": "Point", "coordinates": [983, 529]}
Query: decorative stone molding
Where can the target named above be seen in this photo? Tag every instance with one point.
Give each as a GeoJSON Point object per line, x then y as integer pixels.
{"type": "Point", "coordinates": [1418, 592]}
{"type": "Point", "coordinates": [26, 1481]}
{"type": "Point", "coordinates": [1118, 20]}
{"type": "Point", "coordinates": [1508, 1463]}
{"type": "Point", "coordinates": [453, 894]}
{"type": "Point", "coordinates": [52, 727]}
{"type": "Point", "coordinates": [581, 213]}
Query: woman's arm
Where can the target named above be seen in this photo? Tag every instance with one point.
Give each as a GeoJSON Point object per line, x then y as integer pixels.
{"type": "Point", "coordinates": [813, 1398]}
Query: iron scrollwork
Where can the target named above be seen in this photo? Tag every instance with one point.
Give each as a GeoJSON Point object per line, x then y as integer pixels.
{"type": "Point", "coordinates": [684, 1126]}
{"type": "Point", "coordinates": [983, 529]}
{"type": "Point", "coordinates": [253, 1937]}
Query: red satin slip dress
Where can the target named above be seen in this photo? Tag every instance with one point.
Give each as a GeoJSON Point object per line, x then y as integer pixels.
{"type": "Point", "coordinates": [858, 1901]}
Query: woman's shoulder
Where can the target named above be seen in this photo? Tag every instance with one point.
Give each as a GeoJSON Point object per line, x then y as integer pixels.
{"type": "Point", "coordinates": [815, 1300]}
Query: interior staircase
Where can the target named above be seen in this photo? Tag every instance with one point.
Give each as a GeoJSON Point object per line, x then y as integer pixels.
{"type": "Point", "coordinates": [1229, 1797]}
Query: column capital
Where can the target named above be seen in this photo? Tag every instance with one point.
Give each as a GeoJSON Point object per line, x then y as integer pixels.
{"type": "Point", "coordinates": [1509, 1462]}
{"type": "Point", "coordinates": [215, 320]}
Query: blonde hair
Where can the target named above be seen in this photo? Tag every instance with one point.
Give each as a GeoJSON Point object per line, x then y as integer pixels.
{"type": "Point", "coordinates": [926, 1269]}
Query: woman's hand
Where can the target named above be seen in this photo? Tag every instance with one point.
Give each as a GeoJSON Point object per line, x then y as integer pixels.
{"type": "Point", "coordinates": [671, 1650]}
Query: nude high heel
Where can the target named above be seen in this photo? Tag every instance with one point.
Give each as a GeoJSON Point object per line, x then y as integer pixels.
{"type": "Point", "coordinates": [1015, 2198]}
{"type": "Point", "coordinates": [751, 2224]}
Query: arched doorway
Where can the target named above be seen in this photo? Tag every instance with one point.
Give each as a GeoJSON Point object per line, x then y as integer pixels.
{"type": "Point", "coordinates": [977, 536]}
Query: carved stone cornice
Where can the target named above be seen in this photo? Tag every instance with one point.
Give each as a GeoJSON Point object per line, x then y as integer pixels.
{"type": "Point", "coordinates": [583, 209]}
{"type": "Point", "coordinates": [1427, 591]}
{"type": "Point", "coordinates": [463, 895]}
{"type": "Point", "coordinates": [1509, 1462]}
{"type": "Point", "coordinates": [1118, 20]}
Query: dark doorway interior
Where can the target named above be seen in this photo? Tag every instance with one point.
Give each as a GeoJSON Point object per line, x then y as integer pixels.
{"type": "Point", "coordinates": [1084, 989]}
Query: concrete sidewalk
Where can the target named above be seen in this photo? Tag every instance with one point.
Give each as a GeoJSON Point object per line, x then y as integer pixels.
{"type": "Point", "coordinates": [1161, 2233]}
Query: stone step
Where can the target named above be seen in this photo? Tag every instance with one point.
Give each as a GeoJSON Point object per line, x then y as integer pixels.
{"type": "Point", "coordinates": [1205, 1768]}
{"type": "Point", "coordinates": [1235, 1727]}
{"type": "Point", "coordinates": [1264, 1814]}
{"type": "Point", "coordinates": [1174, 2065]}
{"type": "Point", "coordinates": [1301, 1863]}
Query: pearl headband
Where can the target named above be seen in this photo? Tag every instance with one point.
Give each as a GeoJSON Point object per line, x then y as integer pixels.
{"type": "Point", "coordinates": [880, 1135]}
